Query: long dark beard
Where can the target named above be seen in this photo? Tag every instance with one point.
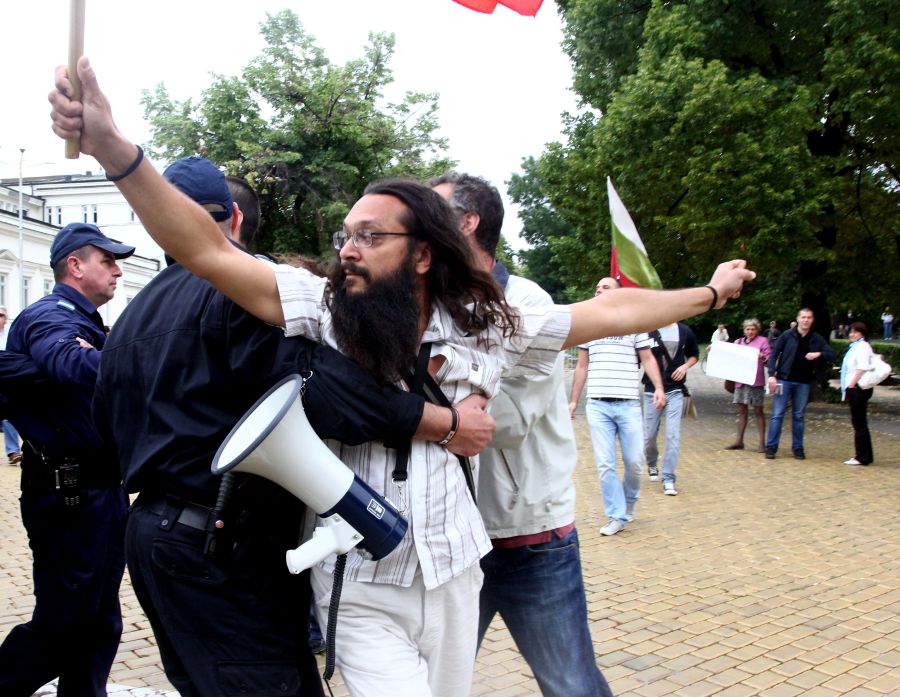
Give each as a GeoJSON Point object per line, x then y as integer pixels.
{"type": "Point", "coordinates": [378, 327]}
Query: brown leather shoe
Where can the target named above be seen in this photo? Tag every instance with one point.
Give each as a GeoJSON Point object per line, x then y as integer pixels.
{"type": "Point", "coordinates": [14, 458]}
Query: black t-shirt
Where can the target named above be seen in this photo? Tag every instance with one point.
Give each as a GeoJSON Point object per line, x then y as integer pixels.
{"type": "Point", "coordinates": [802, 370]}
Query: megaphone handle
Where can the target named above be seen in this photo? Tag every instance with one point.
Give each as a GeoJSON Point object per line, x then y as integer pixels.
{"type": "Point", "coordinates": [334, 536]}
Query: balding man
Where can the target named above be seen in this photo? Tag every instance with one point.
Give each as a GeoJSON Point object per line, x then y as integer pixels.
{"type": "Point", "coordinates": [611, 369]}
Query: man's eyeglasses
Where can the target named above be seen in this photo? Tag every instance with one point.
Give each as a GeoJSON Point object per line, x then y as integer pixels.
{"type": "Point", "coordinates": [361, 238]}
{"type": "Point", "coordinates": [2, 314]}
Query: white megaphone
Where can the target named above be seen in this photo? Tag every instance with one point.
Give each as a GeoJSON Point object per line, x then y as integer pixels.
{"type": "Point", "coordinates": [274, 440]}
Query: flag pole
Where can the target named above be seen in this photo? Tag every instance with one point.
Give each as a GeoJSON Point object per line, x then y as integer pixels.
{"type": "Point", "coordinates": [76, 50]}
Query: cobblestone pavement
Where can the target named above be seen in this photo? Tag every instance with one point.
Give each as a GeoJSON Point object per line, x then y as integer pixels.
{"type": "Point", "coordinates": [761, 577]}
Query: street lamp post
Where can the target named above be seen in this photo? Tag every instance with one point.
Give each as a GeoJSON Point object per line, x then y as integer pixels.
{"type": "Point", "coordinates": [21, 236]}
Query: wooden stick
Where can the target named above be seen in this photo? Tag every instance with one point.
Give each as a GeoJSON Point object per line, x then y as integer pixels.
{"type": "Point", "coordinates": [76, 50]}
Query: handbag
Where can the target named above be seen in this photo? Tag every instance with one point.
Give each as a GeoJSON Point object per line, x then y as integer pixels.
{"type": "Point", "coordinates": [729, 386]}
{"type": "Point", "coordinates": [688, 407]}
{"type": "Point", "coordinates": [877, 373]}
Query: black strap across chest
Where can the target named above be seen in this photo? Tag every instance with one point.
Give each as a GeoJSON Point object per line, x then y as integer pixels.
{"type": "Point", "coordinates": [421, 382]}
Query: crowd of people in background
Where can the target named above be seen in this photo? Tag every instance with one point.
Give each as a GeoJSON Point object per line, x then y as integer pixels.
{"type": "Point", "coordinates": [790, 364]}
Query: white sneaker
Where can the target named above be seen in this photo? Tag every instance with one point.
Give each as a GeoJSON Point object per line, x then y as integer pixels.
{"type": "Point", "coordinates": [629, 512]}
{"type": "Point", "coordinates": [653, 473]}
{"type": "Point", "coordinates": [852, 461]}
{"type": "Point", "coordinates": [669, 489]}
{"type": "Point", "coordinates": [612, 527]}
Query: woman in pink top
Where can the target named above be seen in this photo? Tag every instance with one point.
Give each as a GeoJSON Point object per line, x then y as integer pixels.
{"type": "Point", "coordinates": [752, 395]}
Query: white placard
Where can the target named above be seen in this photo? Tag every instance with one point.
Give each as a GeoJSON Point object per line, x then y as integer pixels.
{"type": "Point", "coordinates": [733, 362]}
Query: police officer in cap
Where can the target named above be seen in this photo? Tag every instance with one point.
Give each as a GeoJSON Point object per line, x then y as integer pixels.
{"type": "Point", "coordinates": [73, 505]}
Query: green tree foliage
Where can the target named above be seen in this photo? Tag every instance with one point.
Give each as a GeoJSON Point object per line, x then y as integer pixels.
{"type": "Point", "coordinates": [761, 129]}
{"type": "Point", "coordinates": [307, 133]}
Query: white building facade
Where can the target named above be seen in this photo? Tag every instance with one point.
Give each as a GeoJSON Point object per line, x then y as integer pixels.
{"type": "Point", "coordinates": [47, 205]}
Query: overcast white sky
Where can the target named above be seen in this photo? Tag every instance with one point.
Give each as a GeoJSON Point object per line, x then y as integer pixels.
{"type": "Point", "coordinates": [503, 79]}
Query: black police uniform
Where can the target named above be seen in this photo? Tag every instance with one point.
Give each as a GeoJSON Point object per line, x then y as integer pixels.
{"type": "Point", "coordinates": [181, 366]}
{"type": "Point", "coordinates": [73, 507]}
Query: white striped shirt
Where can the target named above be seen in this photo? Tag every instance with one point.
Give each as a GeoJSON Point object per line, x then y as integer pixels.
{"type": "Point", "coordinates": [613, 366]}
{"type": "Point", "coordinates": [446, 534]}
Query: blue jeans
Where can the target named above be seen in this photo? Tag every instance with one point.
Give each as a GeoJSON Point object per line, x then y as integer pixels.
{"type": "Point", "coordinates": [606, 419]}
{"type": "Point", "coordinates": [888, 330]}
{"type": "Point", "coordinates": [539, 592]}
{"type": "Point", "coordinates": [797, 393]}
{"type": "Point", "coordinates": [674, 404]}
{"type": "Point", "coordinates": [10, 438]}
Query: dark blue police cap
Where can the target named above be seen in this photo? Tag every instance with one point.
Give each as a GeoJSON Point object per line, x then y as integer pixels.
{"type": "Point", "coordinates": [77, 235]}
{"type": "Point", "coordinates": [200, 180]}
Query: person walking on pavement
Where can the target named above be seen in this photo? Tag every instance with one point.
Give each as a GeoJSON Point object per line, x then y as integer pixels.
{"type": "Point", "coordinates": [798, 357]}
{"type": "Point", "coordinates": [676, 351]}
{"type": "Point", "coordinates": [526, 494]}
{"type": "Point", "coordinates": [73, 504]}
{"type": "Point", "coordinates": [611, 367]}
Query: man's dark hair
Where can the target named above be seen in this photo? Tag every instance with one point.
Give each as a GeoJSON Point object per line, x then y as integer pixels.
{"type": "Point", "coordinates": [247, 200]}
{"type": "Point", "coordinates": [862, 328]}
{"type": "Point", "coordinates": [476, 195]}
{"type": "Point", "coordinates": [471, 295]}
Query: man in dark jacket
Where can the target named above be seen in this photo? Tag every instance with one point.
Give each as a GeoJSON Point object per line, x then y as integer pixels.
{"type": "Point", "coordinates": [797, 358]}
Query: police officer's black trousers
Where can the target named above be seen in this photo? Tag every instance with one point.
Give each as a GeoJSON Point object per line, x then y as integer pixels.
{"type": "Point", "coordinates": [78, 565]}
{"type": "Point", "coordinates": [233, 623]}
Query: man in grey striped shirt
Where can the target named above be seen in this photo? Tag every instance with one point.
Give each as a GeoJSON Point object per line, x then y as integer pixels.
{"type": "Point", "coordinates": [613, 407]}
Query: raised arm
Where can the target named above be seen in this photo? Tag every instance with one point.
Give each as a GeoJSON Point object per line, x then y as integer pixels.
{"type": "Point", "coordinates": [634, 310]}
{"type": "Point", "coordinates": [180, 226]}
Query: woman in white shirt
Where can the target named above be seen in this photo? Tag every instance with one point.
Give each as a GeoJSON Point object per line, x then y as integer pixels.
{"type": "Point", "coordinates": [857, 361]}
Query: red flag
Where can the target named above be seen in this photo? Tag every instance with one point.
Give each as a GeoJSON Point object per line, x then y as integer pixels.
{"type": "Point", "coordinates": [528, 8]}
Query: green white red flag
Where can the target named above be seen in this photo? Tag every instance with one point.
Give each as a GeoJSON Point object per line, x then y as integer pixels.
{"type": "Point", "coordinates": [628, 263]}
{"type": "Point", "coordinates": [528, 8]}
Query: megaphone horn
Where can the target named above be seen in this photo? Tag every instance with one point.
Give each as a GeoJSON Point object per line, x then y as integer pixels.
{"type": "Point", "coordinates": [274, 440]}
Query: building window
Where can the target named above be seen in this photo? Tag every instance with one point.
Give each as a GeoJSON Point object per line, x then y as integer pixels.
{"type": "Point", "coordinates": [48, 287]}
{"type": "Point", "coordinates": [84, 214]}
{"type": "Point", "coordinates": [25, 284]}
{"type": "Point", "coordinates": [2, 289]}
{"type": "Point", "coordinates": [50, 216]}
{"type": "Point", "coordinates": [94, 214]}
{"type": "Point", "coordinates": [59, 215]}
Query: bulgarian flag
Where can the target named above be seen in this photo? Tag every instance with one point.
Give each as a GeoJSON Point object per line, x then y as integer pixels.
{"type": "Point", "coordinates": [528, 8]}
{"type": "Point", "coordinates": [628, 263]}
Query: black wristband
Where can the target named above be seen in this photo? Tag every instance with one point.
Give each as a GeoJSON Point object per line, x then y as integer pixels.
{"type": "Point", "coordinates": [454, 427]}
{"type": "Point", "coordinates": [715, 300]}
{"type": "Point", "coordinates": [133, 166]}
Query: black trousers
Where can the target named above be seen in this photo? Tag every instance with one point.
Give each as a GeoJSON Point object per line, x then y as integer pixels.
{"type": "Point", "coordinates": [858, 399]}
{"type": "Point", "coordinates": [78, 565]}
{"type": "Point", "coordinates": [233, 623]}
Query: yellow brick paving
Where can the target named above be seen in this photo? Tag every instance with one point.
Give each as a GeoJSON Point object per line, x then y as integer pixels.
{"type": "Point", "coordinates": [773, 578]}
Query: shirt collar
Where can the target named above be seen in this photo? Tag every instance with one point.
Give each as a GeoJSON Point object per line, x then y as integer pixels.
{"type": "Point", "coordinates": [69, 293]}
